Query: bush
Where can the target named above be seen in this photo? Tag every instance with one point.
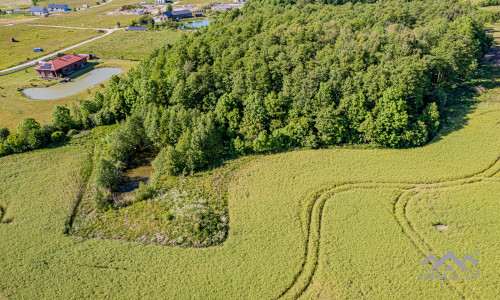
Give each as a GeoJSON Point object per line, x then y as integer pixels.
{"type": "Point", "coordinates": [30, 132]}
{"type": "Point", "coordinates": [58, 137]}
{"type": "Point", "coordinates": [107, 175]}
{"type": "Point", "coordinates": [99, 199]}
{"type": "Point", "coordinates": [4, 133]}
{"type": "Point", "coordinates": [144, 192]}
{"type": "Point", "coordinates": [14, 144]}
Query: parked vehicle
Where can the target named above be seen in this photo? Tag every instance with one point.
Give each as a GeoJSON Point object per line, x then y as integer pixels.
{"type": "Point", "coordinates": [37, 49]}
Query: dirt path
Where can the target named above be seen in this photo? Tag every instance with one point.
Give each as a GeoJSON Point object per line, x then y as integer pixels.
{"type": "Point", "coordinates": [33, 62]}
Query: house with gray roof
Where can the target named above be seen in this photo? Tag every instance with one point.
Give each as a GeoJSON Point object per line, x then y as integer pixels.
{"type": "Point", "coordinates": [58, 7]}
{"type": "Point", "coordinates": [38, 10]}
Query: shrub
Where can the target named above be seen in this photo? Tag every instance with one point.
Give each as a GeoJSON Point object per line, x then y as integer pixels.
{"type": "Point", "coordinates": [4, 133]}
{"type": "Point", "coordinates": [14, 144]}
{"type": "Point", "coordinates": [167, 162]}
{"type": "Point", "coordinates": [107, 175]}
{"type": "Point", "coordinates": [144, 192]}
{"type": "Point", "coordinates": [58, 137]}
{"type": "Point", "coordinates": [30, 132]}
{"type": "Point", "coordinates": [99, 199]}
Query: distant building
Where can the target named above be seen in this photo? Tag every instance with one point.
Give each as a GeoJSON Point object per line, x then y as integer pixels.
{"type": "Point", "coordinates": [176, 15]}
{"type": "Point", "coordinates": [58, 7]}
{"type": "Point", "coordinates": [243, 1]}
{"type": "Point", "coordinates": [61, 66]}
{"type": "Point", "coordinates": [161, 1]}
{"type": "Point", "coordinates": [225, 7]}
{"type": "Point", "coordinates": [135, 28]}
{"type": "Point", "coordinates": [9, 12]}
{"type": "Point", "coordinates": [38, 10]}
{"type": "Point", "coordinates": [198, 14]}
{"type": "Point", "coordinates": [85, 6]}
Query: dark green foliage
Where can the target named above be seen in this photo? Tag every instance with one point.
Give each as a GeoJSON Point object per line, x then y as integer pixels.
{"type": "Point", "coordinates": [4, 133]}
{"type": "Point", "coordinates": [58, 137]}
{"type": "Point", "coordinates": [269, 78]}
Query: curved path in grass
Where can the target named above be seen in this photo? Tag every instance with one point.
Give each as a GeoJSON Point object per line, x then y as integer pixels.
{"type": "Point", "coordinates": [409, 191]}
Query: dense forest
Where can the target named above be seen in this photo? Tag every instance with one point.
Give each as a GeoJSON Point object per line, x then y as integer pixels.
{"type": "Point", "coordinates": [275, 76]}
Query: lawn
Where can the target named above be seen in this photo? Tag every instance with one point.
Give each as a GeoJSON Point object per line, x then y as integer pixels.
{"type": "Point", "coordinates": [14, 106]}
{"type": "Point", "coordinates": [28, 37]}
{"type": "Point", "coordinates": [130, 44]}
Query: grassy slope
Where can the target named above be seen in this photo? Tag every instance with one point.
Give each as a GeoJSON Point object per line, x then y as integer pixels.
{"type": "Point", "coordinates": [129, 44]}
{"type": "Point", "coordinates": [265, 245]}
{"type": "Point", "coordinates": [14, 106]}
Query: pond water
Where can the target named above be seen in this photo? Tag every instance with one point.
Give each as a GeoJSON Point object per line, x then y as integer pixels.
{"type": "Point", "coordinates": [196, 24]}
{"type": "Point", "coordinates": [74, 86]}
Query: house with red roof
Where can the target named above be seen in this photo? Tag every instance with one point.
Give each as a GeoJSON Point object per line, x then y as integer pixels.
{"type": "Point", "coordinates": [61, 66]}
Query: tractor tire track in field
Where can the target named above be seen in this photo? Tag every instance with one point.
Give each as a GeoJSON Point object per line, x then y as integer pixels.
{"type": "Point", "coordinates": [303, 278]}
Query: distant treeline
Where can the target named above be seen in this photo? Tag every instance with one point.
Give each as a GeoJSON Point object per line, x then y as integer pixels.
{"type": "Point", "coordinates": [269, 78]}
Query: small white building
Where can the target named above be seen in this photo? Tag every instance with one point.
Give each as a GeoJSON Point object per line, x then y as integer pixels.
{"type": "Point", "coordinates": [160, 1]}
{"type": "Point", "coordinates": [38, 10]}
{"type": "Point", "coordinates": [85, 6]}
{"type": "Point", "coordinates": [58, 7]}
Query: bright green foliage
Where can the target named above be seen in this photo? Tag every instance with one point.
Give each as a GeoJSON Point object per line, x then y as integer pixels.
{"type": "Point", "coordinates": [14, 144]}
{"type": "Point", "coordinates": [61, 118]}
{"type": "Point", "coordinates": [58, 137]}
{"type": "Point", "coordinates": [30, 131]}
{"type": "Point", "coordinates": [107, 175]}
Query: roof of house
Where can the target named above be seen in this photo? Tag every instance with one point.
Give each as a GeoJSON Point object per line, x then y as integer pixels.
{"type": "Point", "coordinates": [58, 6]}
{"type": "Point", "coordinates": [38, 9]}
{"type": "Point", "coordinates": [60, 62]}
{"type": "Point", "coordinates": [135, 28]}
{"type": "Point", "coordinates": [178, 13]}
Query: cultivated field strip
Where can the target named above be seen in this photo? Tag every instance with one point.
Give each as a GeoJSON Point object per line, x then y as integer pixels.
{"type": "Point", "coordinates": [314, 215]}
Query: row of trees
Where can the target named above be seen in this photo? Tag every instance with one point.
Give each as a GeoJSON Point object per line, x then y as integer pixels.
{"type": "Point", "coordinates": [31, 135]}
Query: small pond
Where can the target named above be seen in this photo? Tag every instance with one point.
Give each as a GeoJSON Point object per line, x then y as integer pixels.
{"type": "Point", "coordinates": [74, 86]}
{"type": "Point", "coordinates": [196, 24]}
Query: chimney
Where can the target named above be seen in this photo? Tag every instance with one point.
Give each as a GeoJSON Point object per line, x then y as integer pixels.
{"type": "Point", "coordinates": [74, 53]}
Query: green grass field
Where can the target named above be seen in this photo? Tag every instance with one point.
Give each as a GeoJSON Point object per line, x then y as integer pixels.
{"type": "Point", "coordinates": [50, 39]}
{"type": "Point", "coordinates": [268, 229]}
{"type": "Point", "coordinates": [129, 44]}
{"type": "Point", "coordinates": [14, 106]}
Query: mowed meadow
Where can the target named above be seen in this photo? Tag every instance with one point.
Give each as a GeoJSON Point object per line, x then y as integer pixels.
{"type": "Point", "coordinates": [272, 206]}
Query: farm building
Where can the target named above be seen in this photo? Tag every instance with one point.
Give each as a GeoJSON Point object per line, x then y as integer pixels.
{"type": "Point", "coordinates": [61, 66]}
{"type": "Point", "coordinates": [198, 14]}
{"type": "Point", "coordinates": [176, 15]}
{"type": "Point", "coordinates": [38, 10]}
{"type": "Point", "coordinates": [135, 28]}
{"type": "Point", "coordinates": [161, 1]}
{"type": "Point", "coordinates": [58, 7]}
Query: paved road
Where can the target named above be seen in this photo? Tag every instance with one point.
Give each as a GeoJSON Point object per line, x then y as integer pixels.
{"type": "Point", "coordinates": [33, 62]}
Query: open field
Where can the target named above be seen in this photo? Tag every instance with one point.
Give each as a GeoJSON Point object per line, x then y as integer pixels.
{"type": "Point", "coordinates": [27, 37]}
{"type": "Point", "coordinates": [12, 4]}
{"type": "Point", "coordinates": [268, 223]}
{"type": "Point", "coordinates": [14, 106]}
{"type": "Point", "coordinates": [130, 44]}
